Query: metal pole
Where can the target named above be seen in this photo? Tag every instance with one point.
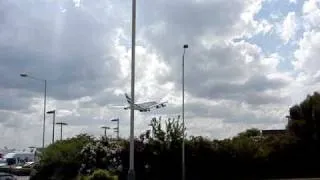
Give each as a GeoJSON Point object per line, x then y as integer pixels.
{"type": "Point", "coordinates": [105, 132]}
{"type": "Point", "coordinates": [61, 131]}
{"type": "Point", "coordinates": [53, 125]}
{"type": "Point", "coordinates": [44, 112]}
{"type": "Point", "coordinates": [131, 174]}
{"type": "Point", "coordinates": [183, 124]}
{"type": "Point", "coordinates": [44, 103]}
{"type": "Point", "coordinates": [118, 129]}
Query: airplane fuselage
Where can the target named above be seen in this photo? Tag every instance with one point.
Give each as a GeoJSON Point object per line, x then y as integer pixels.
{"type": "Point", "coordinates": [143, 107]}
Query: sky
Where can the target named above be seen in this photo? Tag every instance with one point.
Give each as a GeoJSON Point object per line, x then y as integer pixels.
{"type": "Point", "coordinates": [248, 61]}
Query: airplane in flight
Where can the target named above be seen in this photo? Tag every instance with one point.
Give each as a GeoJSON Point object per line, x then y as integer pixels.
{"type": "Point", "coordinates": [146, 106]}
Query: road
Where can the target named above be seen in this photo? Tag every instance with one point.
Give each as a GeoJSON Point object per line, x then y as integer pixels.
{"type": "Point", "coordinates": [27, 178]}
{"type": "Point", "coordinates": [298, 179]}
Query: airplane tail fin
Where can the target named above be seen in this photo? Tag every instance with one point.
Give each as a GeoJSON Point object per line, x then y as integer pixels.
{"type": "Point", "coordinates": [128, 98]}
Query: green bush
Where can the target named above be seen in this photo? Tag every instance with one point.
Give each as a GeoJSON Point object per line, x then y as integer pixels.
{"type": "Point", "coordinates": [62, 159]}
{"type": "Point", "coordinates": [102, 175]}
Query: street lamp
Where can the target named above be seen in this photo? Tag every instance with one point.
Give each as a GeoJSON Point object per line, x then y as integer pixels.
{"type": "Point", "coordinates": [53, 123]}
{"type": "Point", "coordinates": [105, 130]}
{"type": "Point", "coordinates": [44, 103]}
{"type": "Point", "coordinates": [61, 124]}
{"type": "Point", "coordinates": [116, 130]}
{"type": "Point", "coordinates": [116, 120]}
{"type": "Point", "coordinates": [131, 174]}
{"type": "Point", "coordinates": [183, 125]}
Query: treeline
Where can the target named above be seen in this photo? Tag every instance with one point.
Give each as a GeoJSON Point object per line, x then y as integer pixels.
{"type": "Point", "coordinates": [158, 152]}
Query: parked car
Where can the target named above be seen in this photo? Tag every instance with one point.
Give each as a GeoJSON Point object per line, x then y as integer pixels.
{"type": "Point", "coordinates": [16, 158]}
{"type": "Point", "coordinates": [7, 176]}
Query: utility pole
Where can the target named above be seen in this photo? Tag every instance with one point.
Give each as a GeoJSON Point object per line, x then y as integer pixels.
{"type": "Point", "coordinates": [53, 123]}
{"type": "Point", "coordinates": [183, 124]}
{"type": "Point", "coordinates": [131, 173]}
{"type": "Point", "coordinates": [117, 128]}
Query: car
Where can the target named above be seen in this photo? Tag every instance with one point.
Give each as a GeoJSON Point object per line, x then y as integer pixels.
{"type": "Point", "coordinates": [28, 165]}
{"type": "Point", "coordinates": [7, 176]}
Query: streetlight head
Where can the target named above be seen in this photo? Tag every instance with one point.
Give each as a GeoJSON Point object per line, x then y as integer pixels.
{"type": "Point", "coordinates": [51, 112]}
{"type": "Point", "coordinates": [185, 46]}
{"type": "Point", "coordinates": [105, 127]}
{"type": "Point", "coordinates": [113, 120]}
{"type": "Point", "coordinates": [24, 75]}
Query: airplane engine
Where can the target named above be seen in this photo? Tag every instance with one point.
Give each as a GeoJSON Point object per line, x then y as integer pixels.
{"type": "Point", "coordinates": [157, 107]}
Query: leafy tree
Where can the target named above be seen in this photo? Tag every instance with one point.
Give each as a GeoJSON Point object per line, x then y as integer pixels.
{"type": "Point", "coordinates": [253, 132]}
{"type": "Point", "coordinates": [101, 154]}
{"type": "Point", "coordinates": [304, 119]}
{"type": "Point", "coordinates": [62, 160]}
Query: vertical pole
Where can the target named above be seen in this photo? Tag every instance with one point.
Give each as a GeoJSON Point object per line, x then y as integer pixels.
{"type": "Point", "coordinates": [118, 129]}
{"type": "Point", "coordinates": [131, 174]}
{"type": "Point", "coordinates": [61, 131]}
{"type": "Point", "coordinates": [105, 132]}
{"type": "Point", "coordinates": [44, 112]}
{"type": "Point", "coordinates": [53, 124]}
{"type": "Point", "coordinates": [183, 125]}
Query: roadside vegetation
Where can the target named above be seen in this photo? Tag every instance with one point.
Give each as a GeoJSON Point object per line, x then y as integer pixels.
{"type": "Point", "coordinates": [158, 153]}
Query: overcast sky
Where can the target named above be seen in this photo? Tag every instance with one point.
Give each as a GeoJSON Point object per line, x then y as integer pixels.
{"type": "Point", "coordinates": [248, 61]}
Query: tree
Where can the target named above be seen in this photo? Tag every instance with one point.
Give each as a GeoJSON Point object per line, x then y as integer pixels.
{"type": "Point", "coordinates": [101, 154]}
{"type": "Point", "coordinates": [253, 132]}
{"type": "Point", "coordinates": [304, 119]}
{"type": "Point", "coordinates": [62, 159]}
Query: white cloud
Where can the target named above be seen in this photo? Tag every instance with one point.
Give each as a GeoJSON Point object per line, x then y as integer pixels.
{"type": "Point", "coordinates": [311, 14]}
{"type": "Point", "coordinates": [289, 27]}
{"type": "Point", "coordinates": [308, 52]}
{"type": "Point", "coordinates": [293, 1]}
{"type": "Point", "coordinates": [84, 52]}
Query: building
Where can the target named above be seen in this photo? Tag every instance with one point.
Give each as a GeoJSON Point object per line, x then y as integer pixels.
{"type": "Point", "coordinates": [274, 132]}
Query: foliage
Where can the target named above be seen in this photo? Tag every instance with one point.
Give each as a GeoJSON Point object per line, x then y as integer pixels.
{"type": "Point", "coordinates": [102, 154]}
{"type": "Point", "coordinates": [249, 155]}
{"type": "Point", "coordinates": [250, 133]}
{"type": "Point", "coordinates": [100, 174]}
{"type": "Point", "coordinates": [62, 159]}
{"type": "Point", "coordinates": [304, 119]}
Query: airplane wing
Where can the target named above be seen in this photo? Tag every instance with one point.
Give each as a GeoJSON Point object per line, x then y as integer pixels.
{"type": "Point", "coordinates": [118, 106]}
{"type": "Point", "coordinates": [147, 105]}
{"type": "Point", "coordinates": [158, 105]}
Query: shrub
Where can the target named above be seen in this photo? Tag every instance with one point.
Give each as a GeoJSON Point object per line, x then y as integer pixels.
{"type": "Point", "coordinates": [62, 159]}
{"type": "Point", "coordinates": [102, 175]}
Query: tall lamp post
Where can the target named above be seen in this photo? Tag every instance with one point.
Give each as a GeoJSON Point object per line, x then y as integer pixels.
{"type": "Point", "coordinates": [44, 103]}
{"type": "Point", "coordinates": [53, 112]}
{"type": "Point", "coordinates": [105, 130]}
{"type": "Point", "coordinates": [61, 124]}
{"type": "Point", "coordinates": [117, 128]}
{"type": "Point", "coordinates": [131, 174]}
{"type": "Point", "coordinates": [183, 124]}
